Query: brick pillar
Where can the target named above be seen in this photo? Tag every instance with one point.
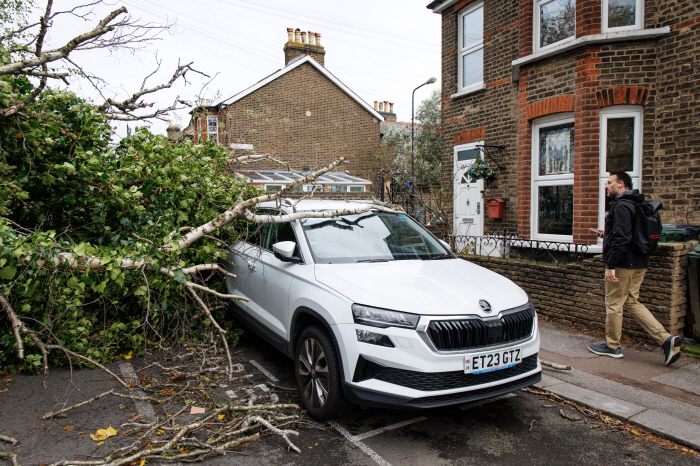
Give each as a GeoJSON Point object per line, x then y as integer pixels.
{"type": "Point", "coordinates": [524, 158]}
{"type": "Point", "coordinates": [587, 144]}
{"type": "Point", "coordinates": [588, 19]}
{"type": "Point", "coordinates": [526, 28]}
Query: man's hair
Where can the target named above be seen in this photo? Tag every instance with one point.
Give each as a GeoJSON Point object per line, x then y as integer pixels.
{"type": "Point", "coordinates": [624, 177]}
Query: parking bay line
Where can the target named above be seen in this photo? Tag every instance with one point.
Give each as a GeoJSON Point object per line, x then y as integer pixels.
{"type": "Point", "coordinates": [372, 433]}
{"type": "Point", "coordinates": [264, 371]}
{"type": "Point", "coordinates": [372, 454]}
{"type": "Point", "coordinates": [144, 408]}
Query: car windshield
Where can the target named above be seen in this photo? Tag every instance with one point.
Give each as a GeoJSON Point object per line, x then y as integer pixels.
{"type": "Point", "coordinates": [370, 237]}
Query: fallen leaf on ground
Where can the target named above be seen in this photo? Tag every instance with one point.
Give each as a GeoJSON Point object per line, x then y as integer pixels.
{"type": "Point", "coordinates": [104, 434]}
{"type": "Point", "coordinates": [3, 391]}
{"type": "Point", "coordinates": [197, 410]}
{"type": "Point", "coordinates": [68, 428]}
{"type": "Point", "coordinates": [100, 443]}
{"type": "Point", "coordinates": [178, 376]}
{"type": "Point", "coordinates": [221, 417]}
{"type": "Point", "coordinates": [134, 418]}
{"type": "Point", "coordinates": [145, 380]}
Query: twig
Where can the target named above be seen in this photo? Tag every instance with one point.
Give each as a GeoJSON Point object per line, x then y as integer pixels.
{"type": "Point", "coordinates": [88, 360]}
{"type": "Point", "coordinates": [12, 456]}
{"type": "Point", "coordinates": [280, 432]}
{"type": "Point", "coordinates": [11, 440]}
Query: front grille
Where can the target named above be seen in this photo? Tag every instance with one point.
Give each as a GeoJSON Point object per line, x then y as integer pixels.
{"type": "Point", "coordinates": [451, 335]}
{"type": "Point", "coordinates": [474, 395]}
{"type": "Point", "coordinates": [429, 381]}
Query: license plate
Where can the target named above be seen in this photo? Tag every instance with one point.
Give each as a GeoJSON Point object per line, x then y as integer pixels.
{"type": "Point", "coordinates": [492, 361]}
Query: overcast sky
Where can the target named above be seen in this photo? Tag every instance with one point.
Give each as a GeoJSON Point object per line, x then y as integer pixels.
{"type": "Point", "coordinates": [381, 49]}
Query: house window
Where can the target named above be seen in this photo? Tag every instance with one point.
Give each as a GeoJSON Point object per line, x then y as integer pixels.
{"type": "Point", "coordinates": [620, 147]}
{"type": "Point", "coordinates": [273, 188]}
{"type": "Point", "coordinates": [553, 179]}
{"type": "Point", "coordinates": [213, 128]}
{"type": "Point", "coordinates": [620, 15]}
{"type": "Point", "coordinates": [357, 189]}
{"type": "Point", "coordinates": [555, 21]}
{"type": "Point", "coordinates": [471, 49]}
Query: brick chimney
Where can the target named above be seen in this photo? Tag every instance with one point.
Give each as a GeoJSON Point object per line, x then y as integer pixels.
{"type": "Point", "coordinates": [301, 43]}
{"type": "Point", "coordinates": [385, 109]}
{"type": "Point", "coordinates": [173, 130]}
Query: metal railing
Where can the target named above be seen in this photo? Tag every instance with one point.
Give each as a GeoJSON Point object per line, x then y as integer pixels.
{"type": "Point", "coordinates": [510, 245]}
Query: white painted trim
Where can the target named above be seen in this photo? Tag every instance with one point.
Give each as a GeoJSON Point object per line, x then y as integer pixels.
{"type": "Point", "coordinates": [639, 18]}
{"type": "Point", "coordinates": [537, 181]}
{"type": "Point", "coordinates": [469, 90]}
{"type": "Point", "coordinates": [617, 36]}
{"type": "Point", "coordinates": [241, 146]}
{"type": "Point", "coordinates": [320, 69]}
{"type": "Point", "coordinates": [536, 28]}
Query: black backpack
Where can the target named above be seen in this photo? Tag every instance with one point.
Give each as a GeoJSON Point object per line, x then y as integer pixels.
{"type": "Point", "coordinates": [647, 227]}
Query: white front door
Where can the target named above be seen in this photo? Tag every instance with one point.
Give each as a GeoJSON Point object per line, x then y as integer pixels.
{"type": "Point", "coordinates": [468, 196]}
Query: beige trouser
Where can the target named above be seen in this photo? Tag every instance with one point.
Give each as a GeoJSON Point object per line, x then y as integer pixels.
{"type": "Point", "coordinates": [624, 293]}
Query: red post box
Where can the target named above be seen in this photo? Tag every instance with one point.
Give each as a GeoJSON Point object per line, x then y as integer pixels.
{"type": "Point", "coordinates": [495, 207]}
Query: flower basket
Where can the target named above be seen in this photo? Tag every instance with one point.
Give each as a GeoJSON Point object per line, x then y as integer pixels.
{"type": "Point", "coordinates": [479, 170]}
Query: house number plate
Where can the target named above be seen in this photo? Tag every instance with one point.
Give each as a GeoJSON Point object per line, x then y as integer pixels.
{"type": "Point", "coordinates": [492, 361]}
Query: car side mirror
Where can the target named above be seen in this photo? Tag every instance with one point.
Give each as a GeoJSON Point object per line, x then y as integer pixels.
{"type": "Point", "coordinates": [284, 251]}
{"type": "Point", "coordinates": [447, 246]}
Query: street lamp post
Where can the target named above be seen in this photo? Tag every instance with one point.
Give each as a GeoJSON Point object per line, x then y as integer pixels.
{"type": "Point", "coordinates": [413, 116]}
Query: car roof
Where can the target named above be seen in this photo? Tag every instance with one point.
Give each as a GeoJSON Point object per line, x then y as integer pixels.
{"type": "Point", "coordinates": [315, 204]}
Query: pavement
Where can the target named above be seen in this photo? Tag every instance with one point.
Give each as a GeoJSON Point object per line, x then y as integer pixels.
{"type": "Point", "coordinates": [638, 388]}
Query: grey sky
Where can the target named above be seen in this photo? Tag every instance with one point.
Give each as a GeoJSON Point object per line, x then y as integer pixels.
{"type": "Point", "coordinates": [381, 49]}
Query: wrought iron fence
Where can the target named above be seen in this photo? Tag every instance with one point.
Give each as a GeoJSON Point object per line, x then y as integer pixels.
{"type": "Point", "coordinates": [511, 245]}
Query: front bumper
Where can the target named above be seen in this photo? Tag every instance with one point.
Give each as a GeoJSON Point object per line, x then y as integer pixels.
{"type": "Point", "coordinates": [411, 357]}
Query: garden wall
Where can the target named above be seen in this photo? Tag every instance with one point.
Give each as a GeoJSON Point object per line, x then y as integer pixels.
{"type": "Point", "coordinates": [575, 293]}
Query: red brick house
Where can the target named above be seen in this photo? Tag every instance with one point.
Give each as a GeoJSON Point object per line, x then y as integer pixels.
{"type": "Point", "coordinates": [571, 89]}
{"type": "Point", "coordinates": [302, 114]}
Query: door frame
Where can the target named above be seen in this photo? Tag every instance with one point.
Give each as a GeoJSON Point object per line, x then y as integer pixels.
{"type": "Point", "coordinates": [455, 150]}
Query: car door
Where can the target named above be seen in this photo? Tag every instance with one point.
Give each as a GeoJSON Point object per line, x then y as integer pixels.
{"type": "Point", "coordinates": [269, 279]}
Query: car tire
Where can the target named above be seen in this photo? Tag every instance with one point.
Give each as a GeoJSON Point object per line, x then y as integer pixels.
{"type": "Point", "coordinates": [318, 376]}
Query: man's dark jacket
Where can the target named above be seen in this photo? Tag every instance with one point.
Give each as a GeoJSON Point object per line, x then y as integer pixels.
{"type": "Point", "coordinates": [619, 233]}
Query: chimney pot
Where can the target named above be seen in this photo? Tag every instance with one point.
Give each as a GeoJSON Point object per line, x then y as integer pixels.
{"type": "Point", "coordinates": [386, 105]}
{"type": "Point", "coordinates": [318, 39]}
{"type": "Point", "coordinates": [303, 37]}
{"type": "Point", "coordinates": [297, 33]}
{"type": "Point", "coordinates": [311, 38]}
{"type": "Point", "coordinates": [381, 106]}
{"type": "Point", "coordinates": [375, 105]}
{"type": "Point", "coordinates": [391, 107]}
{"type": "Point", "coordinates": [290, 35]}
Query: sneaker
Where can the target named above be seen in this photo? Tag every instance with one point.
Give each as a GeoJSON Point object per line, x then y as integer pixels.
{"type": "Point", "coordinates": [603, 350]}
{"type": "Point", "coordinates": [672, 350]}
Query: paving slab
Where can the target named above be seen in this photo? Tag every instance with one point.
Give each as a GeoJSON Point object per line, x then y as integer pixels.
{"type": "Point", "coordinates": [563, 341]}
{"type": "Point", "coordinates": [667, 426]}
{"type": "Point", "coordinates": [686, 378]}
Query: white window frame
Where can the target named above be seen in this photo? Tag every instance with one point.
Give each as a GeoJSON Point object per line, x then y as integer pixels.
{"type": "Point", "coordinates": [356, 189]}
{"type": "Point", "coordinates": [536, 29]}
{"type": "Point", "coordinates": [281, 186]}
{"type": "Point", "coordinates": [538, 181]}
{"type": "Point", "coordinates": [467, 50]}
{"type": "Point", "coordinates": [639, 18]}
{"type": "Point", "coordinates": [211, 135]}
{"type": "Point", "coordinates": [620, 111]}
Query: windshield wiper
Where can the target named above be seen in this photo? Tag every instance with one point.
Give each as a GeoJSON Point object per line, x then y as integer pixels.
{"type": "Point", "coordinates": [375, 260]}
{"type": "Point", "coordinates": [446, 256]}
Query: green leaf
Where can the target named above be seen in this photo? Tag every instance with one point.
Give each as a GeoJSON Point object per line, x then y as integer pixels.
{"type": "Point", "coordinates": [48, 179]}
{"type": "Point", "coordinates": [8, 272]}
{"type": "Point", "coordinates": [140, 291]}
{"type": "Point", "coordinates": [80, 249]}
{"type": "Point", "coordinates": [76, 285]}
{"type": "Point", "coordinates": [179, 276]}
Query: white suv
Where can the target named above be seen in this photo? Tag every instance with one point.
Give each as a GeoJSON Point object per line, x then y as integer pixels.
{"type": "Point", "coordinates": [374, 310]}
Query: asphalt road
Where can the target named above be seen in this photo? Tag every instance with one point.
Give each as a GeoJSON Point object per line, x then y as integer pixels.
{"type": "Point", "coordinates": [488, 433]}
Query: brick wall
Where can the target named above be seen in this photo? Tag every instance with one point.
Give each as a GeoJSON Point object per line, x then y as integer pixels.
{"type": "Point", "coordinates": [274, 120]}
{"type": "Point", "coordinates": [659, 75]}
{"type": "Point", "coordinates": [575, 293]}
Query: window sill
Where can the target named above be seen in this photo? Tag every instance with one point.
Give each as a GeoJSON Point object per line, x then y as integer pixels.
{"type": "Point", "coordinates": [617, 36]}
{"type": "Point", "coordinates": [469, 90]}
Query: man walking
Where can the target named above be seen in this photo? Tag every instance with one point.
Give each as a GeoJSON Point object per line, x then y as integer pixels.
{"type": "Point", "coordinates": [624, 273]}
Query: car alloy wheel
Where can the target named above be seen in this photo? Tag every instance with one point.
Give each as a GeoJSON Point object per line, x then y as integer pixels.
{"type": "Point", "coordinates": [313, 373]}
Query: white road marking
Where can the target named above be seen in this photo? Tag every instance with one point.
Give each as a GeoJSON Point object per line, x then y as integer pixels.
{"type": "Point", "coordinates": [490, 400]}
{"type": "Point", "coordinates": [372, 454]}
{"type": "Point", "coordinates": [372, 433]}
{"type": "Point", "coordinates": [236, 369]}
{"type": "Point", "coordinates": [144, 408]}
{"type": "Point", "coordinates": [231, 394]}
{"type": "Point", "coordinates": [262, 387]}
{"type": "Point", "coordinates": [264, 371]}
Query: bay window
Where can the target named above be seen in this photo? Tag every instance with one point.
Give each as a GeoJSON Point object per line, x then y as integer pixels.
{"type": "Point", "coordinates": [621, 15]}
{"type": "Point", "coordinates": [471, 49]}
{"type": "Point", "coordinates": [553, 179]}
{"type": "Point", "coordinates": [555, 21]}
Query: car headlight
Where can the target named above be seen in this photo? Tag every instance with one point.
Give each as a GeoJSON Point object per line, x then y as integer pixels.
{"type": "Point", "coordinates": [383, 318]}
{"type": "Point", "coordinates": [373, 338]}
